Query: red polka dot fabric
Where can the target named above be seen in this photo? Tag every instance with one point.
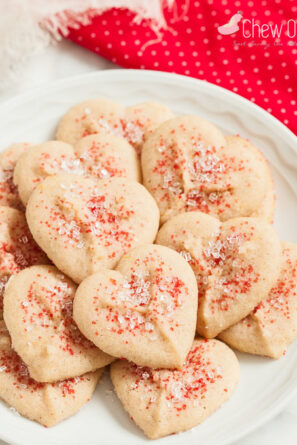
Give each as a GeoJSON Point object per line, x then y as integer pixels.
{"type": "Point", "coordinates": [246, 46]}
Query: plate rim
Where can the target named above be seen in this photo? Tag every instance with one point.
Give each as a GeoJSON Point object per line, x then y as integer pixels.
{"type": "Point", "coordinates": [50, 86]}
{"type": "Point", "coordinates": [149, 75]}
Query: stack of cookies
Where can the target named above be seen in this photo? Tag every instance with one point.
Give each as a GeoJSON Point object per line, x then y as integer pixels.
{"type": "Point", "coordinates": [133, 240]}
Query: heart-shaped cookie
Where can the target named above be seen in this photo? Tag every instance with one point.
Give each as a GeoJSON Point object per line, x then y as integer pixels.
{"type": "Point", "coordinates": [101, 155]}
{"type": "Point", "coordinates": [47, 403]}
{"type": "Point", "coordinates": [188, 165]}
{"type": "Point", "coordinates": [84, 225]}
{"type": "Point", "coordinates": [38, 314]}
{"type": "Point", "coordinates": [18, 250]}
{"type": "Point", "coordinates": [272, 325]}
{"type": "Point", "coordinates": [236, 263]}
{"type": "Point", "coordinates": [144, 311]}
{"type": "Point", "coordinates": [8, 191]}
{"type": "Point", "coordinates": [93, 116]}
{"type": "Point", "coordinates": [267, 208]}
{"type": "Point", "coordinates": [163, 401]}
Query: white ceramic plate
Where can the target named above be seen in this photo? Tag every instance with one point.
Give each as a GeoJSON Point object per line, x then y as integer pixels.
{"type": "Point", "coordinates": [265, 385]}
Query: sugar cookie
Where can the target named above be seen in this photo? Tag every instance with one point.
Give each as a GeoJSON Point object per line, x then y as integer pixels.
{"type": "Point", "coordinates": [46, 403]}
{"type": "Point", "coordinates": [18, 250]}
{"type": "Point", "coordinates": [163, 401]}
{"type": "Point", "coordinates": [142, 119]}
{"type": "Point", "coordinates": [100, 155]}
{"type": "Point", "coordinates": [144, 311]}
{"type": "Point", "coordinates": [236, 264]}
{"type": "Point", "coordinates": [38, 314]}
{"type": "Point", "coordinates": [84, 225]}
{"type": "Point", "coordinates": [266, 210]}
{"type": "Point", "coordinates": [188, 165]}
{"type": "Point", "coordinates": [8, 191]}
{"type": "Point", "coordinates": [134, 123]}
{"type": "Point", "coordinates": [272, 325]}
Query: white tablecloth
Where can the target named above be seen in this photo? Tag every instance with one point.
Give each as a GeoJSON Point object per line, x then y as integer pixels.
{"type": "Point", "coordinates": [67, 59]}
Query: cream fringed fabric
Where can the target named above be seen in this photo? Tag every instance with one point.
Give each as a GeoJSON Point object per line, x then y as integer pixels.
{"type": "Point", "coordinates": [28, 26]}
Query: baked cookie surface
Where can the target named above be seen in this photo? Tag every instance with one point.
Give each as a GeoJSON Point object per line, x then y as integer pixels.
{"type": "Point", "coordinates": [18, 249]}
{"type": "Point", "coordinates": [144, 310]}
{"type": "Point", "coordinates": [163, 401]}
{"type": "Point", "coordinates": [272, 325]}
{"type": "Point", "coordinates": [84, 225]}
{"type": "Point", "coordinates": [236, 263]}
{"type": "Point", "coordinates": [93, 116]}
{"type": "Point", "coordinates": [8, 191]}
{"type": "Point", "coordinates": [38, 314]}
{"type": "Point", "coordinates": [266, 210]}
{"type": "Point", "coordinates": [46, 403]}
{"type": "Point", "coordinates": [141, 120]}
{"type": "Point", "coordinates": [188, 165]}
{"type": "Point", "coordinates": [100, 155]}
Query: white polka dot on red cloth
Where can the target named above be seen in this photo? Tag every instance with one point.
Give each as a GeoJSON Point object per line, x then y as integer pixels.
{"type": "Point", "coordinates": [261, 69]}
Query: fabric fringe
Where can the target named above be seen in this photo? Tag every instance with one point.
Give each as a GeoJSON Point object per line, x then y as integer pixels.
{"type": "Point", "coordinates": [29, 26]}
